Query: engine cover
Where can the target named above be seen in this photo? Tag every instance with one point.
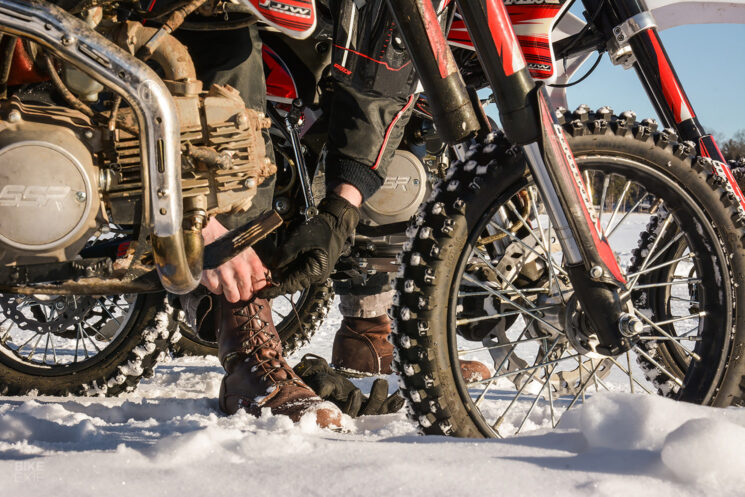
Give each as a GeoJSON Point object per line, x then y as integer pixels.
{"type": "Point", "coordinates": [48, 195]}
{"type": "Point", "coordinates": [401, 194]}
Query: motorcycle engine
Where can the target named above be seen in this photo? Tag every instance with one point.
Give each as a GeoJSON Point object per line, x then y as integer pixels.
{"type": "Point", "coordinates": [49, 202]}
{"type": "Point", "coordinates": [224, 156]}
{"type": "Point", "coordinates": [65, 177]}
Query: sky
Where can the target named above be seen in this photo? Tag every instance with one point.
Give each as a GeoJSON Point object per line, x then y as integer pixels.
{"type": "Point", "coordinates": [710, 61]}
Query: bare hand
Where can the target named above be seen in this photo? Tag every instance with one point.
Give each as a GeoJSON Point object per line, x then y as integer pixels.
{"type": "Point", "coordinates": [239, 278]}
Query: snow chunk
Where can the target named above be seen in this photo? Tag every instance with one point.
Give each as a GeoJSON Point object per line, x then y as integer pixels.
{"type": "Point", "coordinates": [624, 421]}
{"type": "Point", "coordinates": [706, 450]}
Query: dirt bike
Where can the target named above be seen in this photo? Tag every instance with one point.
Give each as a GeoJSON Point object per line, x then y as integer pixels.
{"type": "Point", "coordinates": [485, 264]}
{"type": "Point", "coordinates": [59, 335]}
{"type": "Point", "coordinates": [488, 261]}
{"type": "Point", "coordinates": [113, 157]}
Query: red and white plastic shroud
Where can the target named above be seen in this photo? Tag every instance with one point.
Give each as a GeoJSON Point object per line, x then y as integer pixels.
{"type": "Point", "coordinates": [533, 25]}
{"type": "Point", "coordinates": [294, 18]}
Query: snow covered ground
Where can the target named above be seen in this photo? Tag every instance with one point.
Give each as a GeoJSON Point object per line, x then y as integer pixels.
{"type": "Point", "coordinates": [168, 438]}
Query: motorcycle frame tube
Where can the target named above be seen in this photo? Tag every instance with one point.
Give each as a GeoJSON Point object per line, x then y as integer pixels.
{"type": "Point", "coordinates": [653, 67]}
{"type": "Point", "coordinates": [72, 40]}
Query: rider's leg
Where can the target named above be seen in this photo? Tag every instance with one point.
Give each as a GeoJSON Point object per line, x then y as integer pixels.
{"type": "Point", "coordinates": [257, 375]}
{"type": "Point", "coordinates": [374, 95]}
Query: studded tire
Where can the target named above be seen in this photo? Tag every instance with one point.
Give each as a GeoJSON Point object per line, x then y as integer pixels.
{"type": "Point", "coordinates": [294, 331]}
{"type": "Point", "coordinates": [118, 368]}
{"type": "Point", "coordinates": [492, 173]}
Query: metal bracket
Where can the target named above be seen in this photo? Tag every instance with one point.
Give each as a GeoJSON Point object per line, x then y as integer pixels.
{"type": "Point", "coordinates": [619, 50]}
{"type": "Point", "coordinates": [633, 26]}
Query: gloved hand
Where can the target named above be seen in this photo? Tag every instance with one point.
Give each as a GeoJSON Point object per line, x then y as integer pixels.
{"type": "Point", "coordinates": [309, 253]}
{"type": "Point", "coordinates": [330, 385]}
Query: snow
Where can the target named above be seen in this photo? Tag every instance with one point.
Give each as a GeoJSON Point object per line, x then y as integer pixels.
{"type": "Point", "coordinates": [169, 438]}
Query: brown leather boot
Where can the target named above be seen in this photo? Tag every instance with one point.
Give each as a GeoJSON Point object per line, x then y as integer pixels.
{"type": "Point", "coordinates": [474, 371]}
{"type": "Point", "coordinates": [361, 346]}
{"type": "Point", "coordinates": [258, 376]}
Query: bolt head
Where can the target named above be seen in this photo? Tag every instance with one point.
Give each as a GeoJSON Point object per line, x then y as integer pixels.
{"type": "Point", "coordinates": [14, 116]}
{"type": "Point", "coordinates": [596, 272]}
{"type": "Point", "coordinates": [81, 197]}
{"type": "Point", "coordinates": [67, 40]}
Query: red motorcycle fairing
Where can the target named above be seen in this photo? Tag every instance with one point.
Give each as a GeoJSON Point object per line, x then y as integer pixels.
{"type": "Point", "coordinates": [533, 22]}
{"type": "Point", "coordinates": [294, 18]}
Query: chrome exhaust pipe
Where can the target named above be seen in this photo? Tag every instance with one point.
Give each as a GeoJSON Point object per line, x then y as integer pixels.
{"type": "Point", "coordinates": [70, 39]}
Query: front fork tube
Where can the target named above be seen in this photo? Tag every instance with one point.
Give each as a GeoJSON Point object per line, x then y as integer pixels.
{"type": "Point", "coordinates": [590, 263]}
{"type": "Point", "coordinates": [662, 84]}
{"type": "Point", "coordinates": [629, 21]}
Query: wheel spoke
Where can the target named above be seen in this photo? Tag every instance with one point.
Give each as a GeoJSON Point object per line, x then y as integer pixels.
{"type": "Point", "coordinates": [547, 242]}
{"type": "Point", "coordinates": [665, 224]}
{"type": "Point", "coordinates": [499, 346]}
{"type": "Point", "coordinates": [538, 396]}
{"type": "Point", "coordinates": [583, 387]}
{"type": "Point", "coordinates": [693, 355]}
{"type": "Point", "coordinates": [528, 247]}
{"type": "Point", "coordinates": [533, 370]}
{"type": "Point", "coordinates": [686, 281]}
{"type": "Point", "coordinates": [659, 366]}
{"type": "Point", "coordinates": [678, 319]}
{"type": "Point", "coordinates": [504, 278]}
{"type": "Point", "coordinates": [103, 306]}
{"type": "Point", "coordinates": [618, 206]}
{"type": "Point", "coordinates": [620, 222]}
{"type": "Point", "coordinates": [499, 368]}
{"type": "Point", "coordinates": [660, 266]}
{"type": "Point", "coordinates": [606, 182]}
{"type": "Point", "coordinates": [83, 334]}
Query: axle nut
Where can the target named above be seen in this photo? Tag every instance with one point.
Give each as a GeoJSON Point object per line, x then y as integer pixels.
{"type": "Point", "coordinates": [630, 325]}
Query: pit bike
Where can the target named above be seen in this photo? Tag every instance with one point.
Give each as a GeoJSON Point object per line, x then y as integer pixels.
{"type": "Point", "coordinates": [488, 272]}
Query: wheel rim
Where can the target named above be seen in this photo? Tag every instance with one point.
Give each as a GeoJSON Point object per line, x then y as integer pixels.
{"type": "Point", "coordinates": [539, 362]}
{"type": "Point", "coordinates": [59, 335]}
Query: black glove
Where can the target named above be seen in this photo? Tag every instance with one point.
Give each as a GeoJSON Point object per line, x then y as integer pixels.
{"type": "Point", "coordinates": [330, 385]}
{"type": "Point", "coordinates": [310, 252]}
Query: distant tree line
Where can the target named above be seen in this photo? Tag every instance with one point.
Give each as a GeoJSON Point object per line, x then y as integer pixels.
{"type": "Point", "coordinates": [734, 148]}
